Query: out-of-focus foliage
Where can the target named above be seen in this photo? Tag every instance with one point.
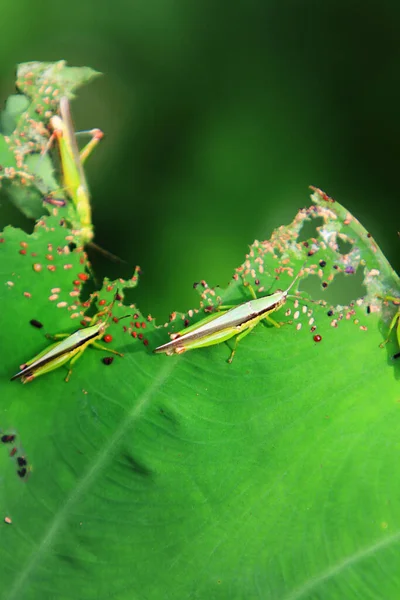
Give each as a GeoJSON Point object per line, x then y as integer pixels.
{"type": "Point", "coordinates": [217, 118]}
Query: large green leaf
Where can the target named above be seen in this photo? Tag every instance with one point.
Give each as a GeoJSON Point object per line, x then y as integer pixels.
{"type": "Point", "coordinates": [275, 477]}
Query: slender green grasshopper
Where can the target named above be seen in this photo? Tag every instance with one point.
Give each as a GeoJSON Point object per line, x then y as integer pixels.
{"type": "Point", "coordinates": [228, 322]}
{"type": "Point", "coordinates": [73, 175]}
{"type": "Point", "coordinates": [395, 322]}
{"type": "Point", "coordinates": [69, 349]}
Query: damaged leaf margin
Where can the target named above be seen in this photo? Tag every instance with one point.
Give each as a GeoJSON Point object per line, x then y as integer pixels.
{"type": "Point", "coordinates": [273, 263]}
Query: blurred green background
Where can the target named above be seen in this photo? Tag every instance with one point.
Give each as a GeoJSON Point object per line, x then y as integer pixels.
{"type": "Point", "coordinates": [218, 115]}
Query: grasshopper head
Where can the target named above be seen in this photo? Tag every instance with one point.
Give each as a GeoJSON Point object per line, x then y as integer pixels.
{"type": "Point", "coordinates": [282, 299]}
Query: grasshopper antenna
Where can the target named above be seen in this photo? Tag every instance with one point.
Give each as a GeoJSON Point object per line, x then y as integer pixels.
{"type": "Point", "coordinates": [106, 253]}
{"type": "Point", "coordinates": [112, 304]}
{"type": "Point", "coordinates": [296, 278]}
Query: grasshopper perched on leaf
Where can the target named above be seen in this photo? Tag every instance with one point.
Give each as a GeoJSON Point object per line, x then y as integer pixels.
{"type": "Point", "coordinates": [69, 349]}
{"type": "Point", "coordinates": [228, 322]}
{"type": "Point", "coordinates": [73, 175]}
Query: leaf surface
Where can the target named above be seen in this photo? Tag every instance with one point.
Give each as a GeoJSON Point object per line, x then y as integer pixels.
{"type": "Point", "coordinates": [184, 476]}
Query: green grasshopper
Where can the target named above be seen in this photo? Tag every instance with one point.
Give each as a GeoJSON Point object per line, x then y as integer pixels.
{"type": "Point", "coordinates": [68, 350]}
{"type": "Point", "coordinates": [73, 175]}
{"type": "Point", "coordinates": [395, 322]}
{"type": "Point", "coordinates": [228, 322]}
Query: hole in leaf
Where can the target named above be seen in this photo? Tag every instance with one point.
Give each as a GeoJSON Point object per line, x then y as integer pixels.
{"type": "Point", "coordinates": [10, 215]}
{"type": "Point", "coordinates": [344, 247]}
{"type": "Point", "coordinates": [343, 290]}
{"type": "Point", "coordinates": [309, 229]}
